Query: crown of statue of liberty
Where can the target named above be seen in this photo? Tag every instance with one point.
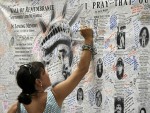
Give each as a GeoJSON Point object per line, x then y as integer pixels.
{"type": "Point", "coordinates": [58, 31]}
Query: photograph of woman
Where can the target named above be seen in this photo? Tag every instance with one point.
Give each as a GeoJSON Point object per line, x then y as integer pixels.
{"type": "Point", "coordinates": [80, 95]}
{"type": "Point", "coordinates": [144, 37]}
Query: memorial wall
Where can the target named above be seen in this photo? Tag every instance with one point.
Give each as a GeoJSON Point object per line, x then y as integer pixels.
{"type": "Point", "coordinates": [48, 31]}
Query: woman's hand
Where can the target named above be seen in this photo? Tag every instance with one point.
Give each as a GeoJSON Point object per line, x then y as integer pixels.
{"type": "Point", "coordinates": [87, 33]}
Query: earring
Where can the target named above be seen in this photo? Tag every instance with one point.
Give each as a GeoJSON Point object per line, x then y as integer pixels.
{"type": "Point", "coordinates": [41, 83]}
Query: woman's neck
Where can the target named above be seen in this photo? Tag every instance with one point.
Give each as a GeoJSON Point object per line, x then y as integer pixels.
{"type": "Point", "coordinates": [38, 93]}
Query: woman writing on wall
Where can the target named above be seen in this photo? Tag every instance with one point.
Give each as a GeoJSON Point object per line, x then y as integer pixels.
{"type": "Point", "coordinates": [33, 79]}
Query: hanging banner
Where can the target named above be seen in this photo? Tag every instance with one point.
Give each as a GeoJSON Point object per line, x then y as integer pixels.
{"type": "Point", "coordinates": [118, 80]}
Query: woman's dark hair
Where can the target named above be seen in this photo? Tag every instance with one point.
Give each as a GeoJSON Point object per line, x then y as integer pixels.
{"type": "Point", "coordinates": [143, 110]}
{"type": "Point", "coordinates": [120, 63]}
{"type": "Point", "coordinates": [147, 33]}
{"type": "Point", "coordinates": [26, 76]}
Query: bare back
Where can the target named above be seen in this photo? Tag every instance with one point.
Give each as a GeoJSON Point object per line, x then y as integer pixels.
{"type": "Point", "coordinates": [38, 103]}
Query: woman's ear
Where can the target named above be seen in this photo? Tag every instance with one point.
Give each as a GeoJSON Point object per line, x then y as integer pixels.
{"type": "Point", "coordinates": [38, 82]}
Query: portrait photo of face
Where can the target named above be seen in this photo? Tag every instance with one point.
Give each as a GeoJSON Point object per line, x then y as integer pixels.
{"type": "Point", "coordinates": [99, 68]}
{"type": "Point", "coordinates": [98, 98]}
{"type": "Point", "coordinates": [80, 95]}
{"type": "Point", "coordinates": [119, 105]}
{"type": "Point", "coordinates": [142, 110]}
{"type": "Point", "coordinates": [144, 37]}
{"type": "Point", "coordinates": [121, 37]}
{"type": "Point", "coordinates": [119, 68]}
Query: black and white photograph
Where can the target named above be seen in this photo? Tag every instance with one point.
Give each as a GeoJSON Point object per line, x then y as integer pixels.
{"type": "Point", "coordinates": [144, 37]}
{"type": "Point", "coordinates": [119, 68]}
{"type": "Point", "coordinates": [99, 68]}
{"type": "Point", "coordinates": [80, 95]}
{"type": "Point", "coordinates": [98, 98]}
{"type": "Point", "coordinates": [120, 38]}
{"type": "Point", "coordinates": [119, 105]}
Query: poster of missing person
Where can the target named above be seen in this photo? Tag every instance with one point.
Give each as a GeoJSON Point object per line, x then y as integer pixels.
{"type": "Point", "coordinates": [118, 80]}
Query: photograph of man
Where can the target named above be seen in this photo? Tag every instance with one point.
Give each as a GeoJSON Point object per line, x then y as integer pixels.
{"type": "Point", "coordinates": [119, 105]}
{"type": "Point", "coordinates": [80, 95]}
{"type": "Point", "coordinates": [143, 110]}
{"type": "Point", "coordinates": [99, 68]}
{"type": "Point", "coordinates": [120, 68]}
{"type": "Point", "coordinates": [144, 37]}
{"type": "Point", "coordinates": [121, 37]}
{"type": "Point", "coordinates": [98, 98]}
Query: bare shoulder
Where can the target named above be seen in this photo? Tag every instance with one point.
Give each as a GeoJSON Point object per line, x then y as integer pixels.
{"type": "Point", "coordinates": [13, 108]}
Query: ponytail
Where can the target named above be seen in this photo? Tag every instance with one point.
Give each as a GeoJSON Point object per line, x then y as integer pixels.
{"type": "Point", "coordinates": [24, 98]}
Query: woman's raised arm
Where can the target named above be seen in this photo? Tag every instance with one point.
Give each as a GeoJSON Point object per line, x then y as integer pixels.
{"type": "Point", "coordinates": [63, 89]}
